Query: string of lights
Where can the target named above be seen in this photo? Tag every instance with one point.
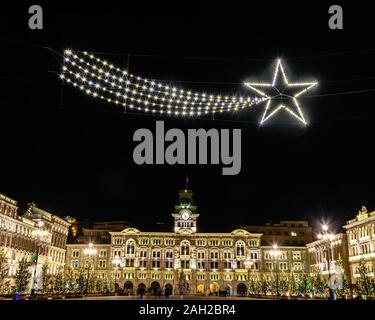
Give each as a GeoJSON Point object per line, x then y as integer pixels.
{"type": "Point", "coordinates": [103, 80]}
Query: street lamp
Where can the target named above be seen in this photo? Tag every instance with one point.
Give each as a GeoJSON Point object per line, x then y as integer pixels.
{"type": "Point", "coordinates": [327, 237]}
{"type": "Point", "coordinates": [116, 263]}
{"type": "Point", "coordinates": [90, 252]}
{"type": "Point", "coordinates": [275, 252]}
{"type": "Point", "coordinates": [40, 234]}
{"type": "Point", "coordinates": [248, 265]}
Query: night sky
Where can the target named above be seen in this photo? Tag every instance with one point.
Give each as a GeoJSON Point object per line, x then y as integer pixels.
{"type": "Point", "coordinates": [72, 155]}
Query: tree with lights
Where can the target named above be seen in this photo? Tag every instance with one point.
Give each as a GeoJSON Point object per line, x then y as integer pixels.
{"type": "Point", "coordinates": [272, 283]}
{"type": "Point", "coordinates": [319, 284]}
{"type": "Point", "coordinates": [262, 284]}
{"type": "Point", "coordinates": [283, 284]}
{"type": "Point", "coordinates": [92, 284]}
{"type": "Point", "coordinates": [46, 279]}
{"type": "Point", "coordinates": [108, 285]}
{"type": "Point", "coordinates": [22, 276]}
{"type": "Point", "coordinates": [292, 286]}
{"type": "Point", "coordinates": [364, 287]}
{"type": "Point", "coordinates": [258, 284]}
{"type": "Point", "coordinates": [81, 281]}
{"type": "Point", "coordinates": [70, 281]}
{"type": "Point", "coordinates": [345, 291]}
{"type": "Point", "coordinates": [95, 284]}
{"type": "Point", "coordinates": [304, 286]}
{"type": "Point", "coordinates": [4, 271]}
{"type": "Point", "coordinates": [58, 282]}
{"type": "Point", "coordinates": [252, 284]}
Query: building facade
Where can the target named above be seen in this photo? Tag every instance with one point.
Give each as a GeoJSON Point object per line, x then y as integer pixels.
{"type": "Point", "coordinates": [52, 245]}
{"type": "Point", "coordinates": [286, 233]}
{"type": "Point", "coordinates": [17, 240]}
{"type": "Point", "coordinates": [184, 260]}
{"type": "Point", "coordinates": [330, 257]}
{"type": "Point", "coordinates": [23, 234]}
{"type": "Point", "coordinates": [361, 243]}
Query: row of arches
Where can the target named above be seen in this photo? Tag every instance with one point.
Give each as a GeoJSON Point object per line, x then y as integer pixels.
{"type": "Point", "coordinates": [155, 289]}
{"type": "Point", "coordinates": [185, 247]}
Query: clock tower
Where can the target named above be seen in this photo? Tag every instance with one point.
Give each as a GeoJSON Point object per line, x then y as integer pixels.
{"type": "Point", "coordinates": [185, 213]}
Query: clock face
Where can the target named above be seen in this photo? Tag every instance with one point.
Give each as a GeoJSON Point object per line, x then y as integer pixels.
{"type": "Point", "coordinates": [185, 214]}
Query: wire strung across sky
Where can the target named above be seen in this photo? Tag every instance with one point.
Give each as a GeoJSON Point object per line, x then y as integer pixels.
{"type": "Point", "coordinates": [221, 104]}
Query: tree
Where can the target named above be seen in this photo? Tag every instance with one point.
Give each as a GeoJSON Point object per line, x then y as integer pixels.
{"type": "Point", "coordinates": [304, 285]}
{"type": "Point", "coordinates": [81, 281]}
{"type": "Point", "coordinates": [46, 279]}
{"type": "Point", "coordinates": [99, 284]}
{"type": "Point", "coordinates": [283, 283]}
{"type": "Point", "coordinates": [4, 271]}
{"type": "Point", "coordinates": [70, 281]}
{"type": "Point", "coordinates": [292, 287]}
{"type": "Point", "coordinates": [109, 286]}
{"type": "Point", "coordinates": [345, 291]}
{"type": "Point", "coordinates": [364, 285]}
{"type": "Point", "coordinates": [272, 283]}
{"type": "Point", "coordinates": [319, 284]}
{"type": "Point", "coordinates": [252, 284]}
{"type": "Point", "coordinates": [58, 282]}
{"type": "Point", "coordinates": [263, 284]}
{"type": "Point", "coordinates": [23, 276]}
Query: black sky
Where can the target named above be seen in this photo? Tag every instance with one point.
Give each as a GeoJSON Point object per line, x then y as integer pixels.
{"type": "Point", "coordinates": [73, 155]}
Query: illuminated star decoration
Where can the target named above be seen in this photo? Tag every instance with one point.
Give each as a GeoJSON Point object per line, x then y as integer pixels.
{"type": "Point", "coordinates": [281, 91]}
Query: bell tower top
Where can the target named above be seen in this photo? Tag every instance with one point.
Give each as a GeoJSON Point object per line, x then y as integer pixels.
{"type": "Point", "coordinates": [185, 213]}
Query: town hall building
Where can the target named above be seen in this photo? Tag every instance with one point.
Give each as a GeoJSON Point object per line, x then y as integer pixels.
{"type": "Point", "coordinates": [184, 261]}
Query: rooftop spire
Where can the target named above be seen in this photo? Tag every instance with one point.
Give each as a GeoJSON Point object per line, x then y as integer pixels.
{"type": "Point", "coordinates": [186, 182]}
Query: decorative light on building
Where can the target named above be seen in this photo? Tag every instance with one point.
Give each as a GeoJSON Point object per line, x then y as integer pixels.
{"type": "Point", "coordinates": [276, 91]}
{"type": "Point", "coordinates": [275, 252]}
{"type": "Point", "coordinates": [90, 250]}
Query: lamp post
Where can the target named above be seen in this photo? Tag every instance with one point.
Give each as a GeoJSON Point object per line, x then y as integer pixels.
{"type": "Point", "coordinates": [248, 265]}
{"type": "Point", "coordinates": [90, 252]}
{"type": "Point", "coordinates": [275, 252]}
{"type": "Point", "coordinates": [40, 235]}
{"type": "Point", "coordinates": [327, 237]}
{"type": "Point", "coordinates": [116, 263]}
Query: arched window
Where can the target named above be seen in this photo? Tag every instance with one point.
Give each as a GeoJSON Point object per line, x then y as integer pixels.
{"type": "Point", "coordinates": [130, 247]}
{"type": "Point", "coordinates": [240, 248]}
{"type": "Point", "coordinates": [185, 248]}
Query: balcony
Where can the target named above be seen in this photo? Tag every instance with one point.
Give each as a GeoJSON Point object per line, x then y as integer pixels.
{"type": "Point", "coordinates": [357, 258]}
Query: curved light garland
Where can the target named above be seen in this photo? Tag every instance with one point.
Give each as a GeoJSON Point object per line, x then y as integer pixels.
{"type": "Point", "coordinates": [102, 80]}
